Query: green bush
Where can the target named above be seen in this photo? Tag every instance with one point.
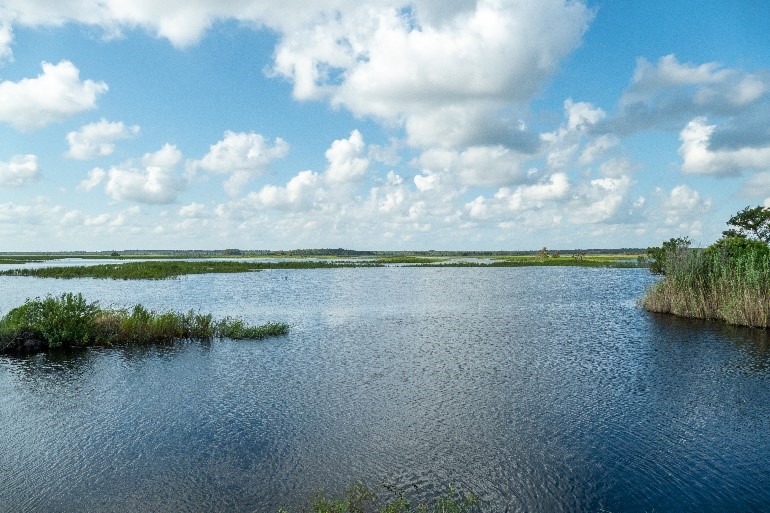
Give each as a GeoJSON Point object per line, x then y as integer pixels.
{"type": "Point", "coordinates": [71, 321]}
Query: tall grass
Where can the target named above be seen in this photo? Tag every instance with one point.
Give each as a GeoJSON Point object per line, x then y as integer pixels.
{"type": "Point", "coordinates": [716, 283]}
{"type": "Point", "coordinates": [69, 321]}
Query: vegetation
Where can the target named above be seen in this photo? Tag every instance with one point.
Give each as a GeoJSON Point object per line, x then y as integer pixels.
{"type": "Point", "coordinates": [729, 280]}
{"type": "Point", "coordinates": [360, 498]}
{"type": "Point", "coordinates": [163, 269]}
{"type": "Point", "coordinates": [69, 321]}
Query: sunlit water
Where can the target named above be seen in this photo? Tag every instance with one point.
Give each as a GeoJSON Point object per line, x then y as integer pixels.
{"type": "Point", "coordinates": [540, 389]}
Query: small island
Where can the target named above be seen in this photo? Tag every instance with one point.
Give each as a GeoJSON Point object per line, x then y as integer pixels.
{"type": "Point", "coordinates": [70, 322]}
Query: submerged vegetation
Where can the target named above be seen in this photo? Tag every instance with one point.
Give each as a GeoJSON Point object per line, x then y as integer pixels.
{"type": "Point", "coordinates": [360, 498]}
{"type": "Point", "coordinates": [69, 322]}
{"type": "Point", "coordinates": [728, 281]}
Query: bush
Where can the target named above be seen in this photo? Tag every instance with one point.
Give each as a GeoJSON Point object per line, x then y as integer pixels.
{"type": "Point", "coordinates": [70, 321]}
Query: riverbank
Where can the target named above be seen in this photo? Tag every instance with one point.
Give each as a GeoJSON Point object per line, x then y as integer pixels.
{"type": "Point", "coordinates": [718, 283]}
{"type": "Point", "coordinates": [71, 322]}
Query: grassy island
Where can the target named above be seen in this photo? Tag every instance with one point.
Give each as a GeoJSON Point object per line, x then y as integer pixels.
{"type": "Point", "coordinates": [728, 281]}
{"type": "Point", "coordinates": [164, 269]}
{"type": "Point", "coordinates": [71, 322]}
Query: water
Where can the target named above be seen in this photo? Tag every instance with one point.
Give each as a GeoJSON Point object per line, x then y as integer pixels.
{"type": "Point", "coordinates": [540, 389]}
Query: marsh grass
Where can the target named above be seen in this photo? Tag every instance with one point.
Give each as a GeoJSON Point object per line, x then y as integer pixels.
{"type": "Point", "coordinates": [69, 321]}
{"type": "Point", "coordinates": [360, 498]}
{"type": "Point", "coordinates": [715, 284]}
{"type": "Point", "coordinates": [164, 269]}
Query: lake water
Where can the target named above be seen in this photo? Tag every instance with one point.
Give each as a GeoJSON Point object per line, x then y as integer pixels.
{"type": "Point", "coordinates": [539, 389]}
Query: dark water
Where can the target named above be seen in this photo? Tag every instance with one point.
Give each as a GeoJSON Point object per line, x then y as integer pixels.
{"type": "Point", "coordinates": [540, 389]}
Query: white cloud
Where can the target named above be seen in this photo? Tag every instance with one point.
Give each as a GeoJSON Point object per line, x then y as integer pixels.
{"type": "Point", "coordinates": [21, 170]}
{"type": "Point", "coordinates": [193, 211]}
{"type": "Point", "coordinates": [345, 161]}
{"type": "Point", "coordinates": [376, 61]}
{"type": "Point", "coordinates": [481, 165]}
{"type": "Point", "coordinates": [98, 139]}
{"type": "Point", "coordinates": [597, 148]}
{"type": "Point", "coordinates": [94, 179]}
{"type": "Point", "coordinates": [664, 94]}
{"type": "Point", "coordinates": [155, 182]}
{"type": "Point", "coordinates": [299, 193]}
{"type": "Point", "coordinates": [243, 156]}
{"type": "Point", "coordinates": [600, 200]}
{"type": "Point", "coordinates": [699, 158]}
{"type": "Point", "coordinates": [54, 95]}
{"type": "Point", "coordinates": [682, 208]}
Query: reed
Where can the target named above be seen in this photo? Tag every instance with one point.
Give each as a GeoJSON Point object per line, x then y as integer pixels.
{"type": "Point", "coordinates": [723, 282]}
{"type": "Point", "coordinates": [69, 321]}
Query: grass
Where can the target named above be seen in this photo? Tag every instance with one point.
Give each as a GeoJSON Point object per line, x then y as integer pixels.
{"type": "Point", "coordinates": [714, 284]}
{"type": "Point", "coordinates": [164, 269]}
{"type": "Point", "coordinates": [69, 321]}
{"type": "Point", "coordinates": [360, 498]}
{"type": "Point", "coordinates": [160, 269]}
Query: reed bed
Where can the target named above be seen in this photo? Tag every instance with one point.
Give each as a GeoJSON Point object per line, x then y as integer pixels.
{"type": "Point", "coordinates": [69, 321]}
{"type": "Point", "coordinates": [715, 284]}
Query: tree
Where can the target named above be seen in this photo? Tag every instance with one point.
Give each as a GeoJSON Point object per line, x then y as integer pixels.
{"type": "Point", "coordinates": [670, 247]}
{"type": "Point", "coordinates": [750, 223]}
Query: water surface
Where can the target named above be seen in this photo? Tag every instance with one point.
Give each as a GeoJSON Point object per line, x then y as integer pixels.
{"type": "Point", "coordinates": [540, 389]}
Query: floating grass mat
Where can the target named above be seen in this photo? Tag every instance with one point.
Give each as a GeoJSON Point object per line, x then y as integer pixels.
{"type": "Point", "coordinates": [160, 270]}
{"type": "Point", "coordinates": [71, 322]}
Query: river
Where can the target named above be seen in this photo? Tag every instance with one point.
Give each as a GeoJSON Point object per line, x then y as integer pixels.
{"type": "Point", "coordinates": [539, 389]}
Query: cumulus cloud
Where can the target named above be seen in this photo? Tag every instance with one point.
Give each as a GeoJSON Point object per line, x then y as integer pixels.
{"type": "Point", "coordinates": [346, 163]}
{"type": "Point", "coordinates": [21, 170]}
{"type": "Point", "coordinates": [522, 198]}
{"type": "Point", "coordinates": [480, 165]}
{"type": "Point", "coordinates": [194, 211]}
{"type": "Point", "coordinates": [699, 158]}
{"type": "Point", "coordinates": [98, 139]}
{"type": "Point", "coordinates": [682, 208]}
{"type": "Point", "coordinates": [599, 200]}
{"type": "Point", "coordinates": [299, 193]}
{"type": "Point", "coordinates": [663, 94]}
{"type": "Point", "coordinates": [465, 62]}
{"type": "Point", "coordinates": [155, 180]}
{"type": "Point", "coordinates": [597, 148]}
{"type": "Point", "coordinates": [241, 155]}
{"type": "Point", "coordinates": [55, 94]}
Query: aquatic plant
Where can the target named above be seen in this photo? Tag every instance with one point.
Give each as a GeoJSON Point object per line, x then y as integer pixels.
{"type": "Point", "coordinates": [360, 498]}
{"type": "Point", "coordinates": [69, 321]}
{"type": "Point", "coordinates": [728, 281]}
{"type": "Point", "coordinates": [164, 269]}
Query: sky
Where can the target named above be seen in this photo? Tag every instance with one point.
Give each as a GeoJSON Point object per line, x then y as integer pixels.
{"type": "Point", "coordinates": [379, 125]}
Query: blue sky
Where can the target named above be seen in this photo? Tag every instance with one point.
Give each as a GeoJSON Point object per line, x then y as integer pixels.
{"type": "Point", "coordinates": [373, 124]}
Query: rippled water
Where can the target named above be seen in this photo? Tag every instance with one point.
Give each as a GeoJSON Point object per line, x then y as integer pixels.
{"type": "Point", "coordinates": [540, 389]}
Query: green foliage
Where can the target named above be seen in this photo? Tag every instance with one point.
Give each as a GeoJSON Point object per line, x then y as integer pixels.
{"type": "Point", "coordinates": [750, 223]}
{"type": "Point", "coordinates": [359, 498]}
{"type": "Point", "coordinates": [62, 322]}
{"type": "Point", "coordinates": [729, 280]}
{"type": "Point", "coordinates": [163, 269]}
{"type": "Point", "coordinates": [70, 321]}
{"type": "Point", "coordinates": [669, 250]}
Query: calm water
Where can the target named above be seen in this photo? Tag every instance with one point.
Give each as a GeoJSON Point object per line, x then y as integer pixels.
{"type": "Point", "coordinates": [541, 389]}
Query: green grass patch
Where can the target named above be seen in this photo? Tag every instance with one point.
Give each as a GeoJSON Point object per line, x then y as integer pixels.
{"type": "Point", "coordinates": [159, 270]}
{"type": "Point", "coordinates": [69, 321]}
